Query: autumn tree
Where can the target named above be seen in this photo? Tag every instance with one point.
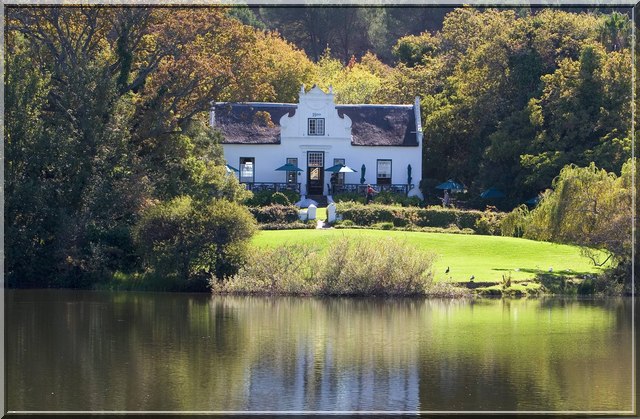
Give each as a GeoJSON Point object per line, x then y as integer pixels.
{"type": "Point", "coordinates": [117, 101]}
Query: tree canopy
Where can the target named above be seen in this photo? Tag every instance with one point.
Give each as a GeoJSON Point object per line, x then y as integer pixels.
{"type": "Point", "coordinates": [107, 117]}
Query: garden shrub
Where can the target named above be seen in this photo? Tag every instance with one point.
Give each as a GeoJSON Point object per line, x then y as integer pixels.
{"type": "Point", "coordinates": [265, 198]}
{"type": "Point", "coordinates": [349, 197]}
{"type": "Point", "coordinates": [279, 214]}
{"type": "Point", "coordinates": [382, 198]}
{"type": "Point", "coordinates": [448, 230]}
{"type": "Point", "coordinates": [412, 201]}
{"type": "Point", "coordinates": [447, 218]}
{"type": "Point", "coordinates": [489, 223]}
{"type": "Point", "coordinates": [354, 227]}
{"type": "Point", "coordinates": [287, 226]}
{"type": "Point", "coordinates": [383, 226]}
{"type": "Point", "coordinates": [259, 199]}
{"type": "Point", "coordinates": [394, 198]}
{"type": "Point", "coordinates": [280, 199]}
{"type": "Point", "coordinates": [388, 198]}
{"type": "Point", "coordinates": [192, 241]}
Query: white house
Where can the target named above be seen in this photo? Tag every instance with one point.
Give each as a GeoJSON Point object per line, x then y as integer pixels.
{"type": "Point", "coordinates": [316, 134]}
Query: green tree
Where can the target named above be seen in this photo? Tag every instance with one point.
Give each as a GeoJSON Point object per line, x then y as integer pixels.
{"type": "Point", "coordinates": [509, 99]}
{"type": "Point", "coordinates": [574, 116]}
{"type": "Point", "coordinates": [246, 15]}
{"type": "Point", "coordinates": [29, 190]}
{"type": "Point", "coordinates": [589, 207]}
{"type": "Point", "coordinates": [413, 50]}
{"type": "Point", "coordinates": [615, 29]}
{"type": "Point", "coordinates": [192, 242]}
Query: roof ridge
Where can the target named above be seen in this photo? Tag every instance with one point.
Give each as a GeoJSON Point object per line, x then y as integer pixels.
{"type": "Point", "coordinates": [388, 105]}
{"type": "Point", "coordinates": [256, 103]}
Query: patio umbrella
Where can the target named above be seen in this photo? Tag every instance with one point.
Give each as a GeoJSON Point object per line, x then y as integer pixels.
{"type": "Point", "coordinates": [340, 168]}
{"type": "Point", "coordinates": [231, 168]}
{"type": "Point", "coordinates": [289, 168]}
{"type": "Point", "coordinates": [492, 193]}
{"type": "Point", "coordinates": [363, 169]}
{"type": "Point", "coordinates": [533, 201]}
{"type": "Point", "coordinates": [451, 185]}
{"type": "Point", "coordinates": [409, 175]}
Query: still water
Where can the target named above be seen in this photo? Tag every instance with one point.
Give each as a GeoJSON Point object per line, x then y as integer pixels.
{"type": "Point", "coordinates": [81, 350]}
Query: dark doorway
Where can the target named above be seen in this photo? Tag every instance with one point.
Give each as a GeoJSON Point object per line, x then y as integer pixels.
{"type": "Point", "coordinates": [315, 172]}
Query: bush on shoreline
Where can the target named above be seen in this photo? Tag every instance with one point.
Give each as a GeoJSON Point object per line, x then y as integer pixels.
{"type": "Point", "coordinates": [347, 267]}
{"type": "Point", "coordinates": [188, 242]}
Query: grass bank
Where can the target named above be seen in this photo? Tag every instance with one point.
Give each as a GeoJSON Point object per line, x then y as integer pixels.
{"type": "Point", "coordinates": [486, 258]}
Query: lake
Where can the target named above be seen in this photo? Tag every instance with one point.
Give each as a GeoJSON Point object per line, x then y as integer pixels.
{"type": "Point", "coordinates": [119, 351]}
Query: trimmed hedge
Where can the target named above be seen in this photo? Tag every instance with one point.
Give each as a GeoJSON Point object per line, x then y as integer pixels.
{"type": "Point", "coordinates": [369, 215]}
{"type": "Point", "coordinates": [266, 198]}
{"type": "Point", "coordinates": [384, 198]}
{"type": "Point", "coordinates": [382, 226]}
{"type": "Point", "coordinates": [275, 214]}
{"type": "Point", "coordinates": [299, 225]}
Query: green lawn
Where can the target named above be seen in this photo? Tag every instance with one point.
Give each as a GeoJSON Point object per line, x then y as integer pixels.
{"type": "Point", "coordinates": [485, 257]}
{"type": "Point", "coordinates": [321, 214]}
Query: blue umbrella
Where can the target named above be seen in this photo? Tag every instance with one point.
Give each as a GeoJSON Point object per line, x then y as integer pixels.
{"type": "Point", "coordinates": [533, 201]}
{"type": "Point", "coordinates": [289, 168]}
{"type": "Point", "coordinates": [231, 168]}
{"type": "Point", "coordinates": [340, 168]}
{"type": "Point", "coordinates": [363, 169]}
{"type": "Point", "coordinates": [492, 193]}
{"type": "Point", "coordinates": [451, 185]}
{"type": "Point", "coordinates": [409, 175]}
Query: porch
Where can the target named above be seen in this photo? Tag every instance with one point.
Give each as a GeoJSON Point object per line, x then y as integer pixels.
{"type": "Point", "coordinates": [271, 186]}
{"type": "Point", "coordinates": [358, 188]}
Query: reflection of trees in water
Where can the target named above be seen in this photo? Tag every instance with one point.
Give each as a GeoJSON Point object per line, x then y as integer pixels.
{"type": "Point", "coordinates": [142, 351]}
{"type": "Point", "coordinates": [531, 355]}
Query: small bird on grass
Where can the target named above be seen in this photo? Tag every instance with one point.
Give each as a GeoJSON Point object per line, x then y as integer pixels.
{"type": "Point", "coordinates": [472, 278]}
{"type": "Point", "coordinates": [447, 271]}
{"type": "Point", "coordinates": [551, 269]}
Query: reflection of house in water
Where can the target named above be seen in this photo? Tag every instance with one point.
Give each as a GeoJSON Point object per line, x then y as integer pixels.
{"type": "Point", "coordinates": [308, 379]}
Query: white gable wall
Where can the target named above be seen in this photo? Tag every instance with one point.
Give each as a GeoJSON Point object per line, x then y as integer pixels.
{"type": "Point", "coordinates": [336, 143]}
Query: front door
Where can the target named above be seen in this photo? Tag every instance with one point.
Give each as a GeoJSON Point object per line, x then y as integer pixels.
{"type": "Point", "coordinates": [315, 172]}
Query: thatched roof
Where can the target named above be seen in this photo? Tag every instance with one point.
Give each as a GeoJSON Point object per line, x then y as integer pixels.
{"type": "Point", "coordinates": [251, 123]}
{"type": "Point", "coordinates": [372, 125]}
{"type": "Point", "coordinates": [381, 125]}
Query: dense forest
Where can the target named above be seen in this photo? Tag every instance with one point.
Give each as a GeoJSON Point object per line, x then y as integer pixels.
{"type": "Point", "coordinates": [509, 96]}
{"type": "Point", "coordinates": [105, 122]}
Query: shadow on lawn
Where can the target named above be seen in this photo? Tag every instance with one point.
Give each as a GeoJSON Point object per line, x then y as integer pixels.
{"type": "Point", "coordinates": [555, 274]}
{"type": "Point", "coordinates": [560, 282]}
